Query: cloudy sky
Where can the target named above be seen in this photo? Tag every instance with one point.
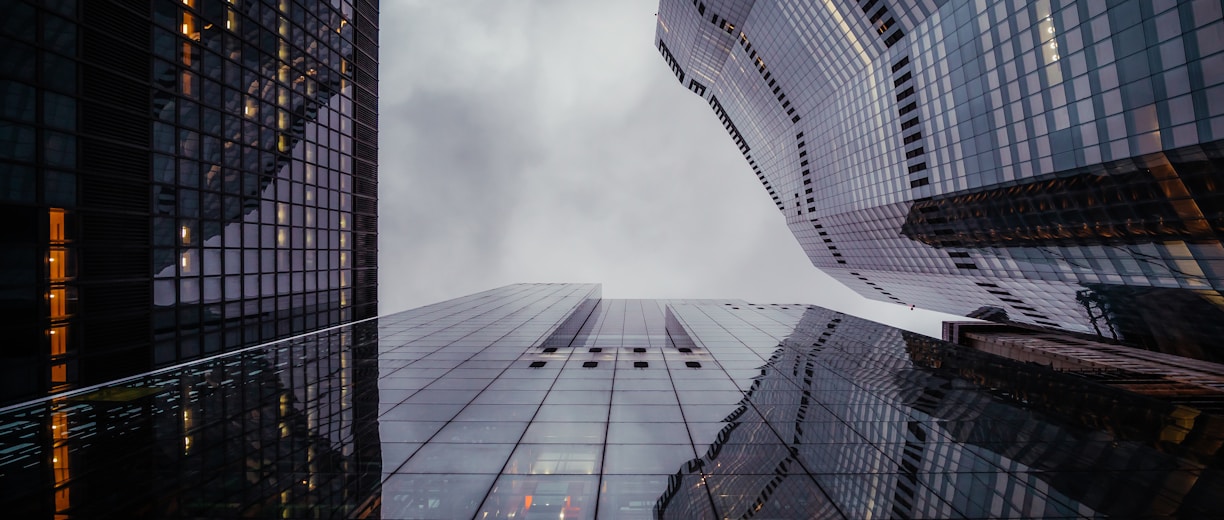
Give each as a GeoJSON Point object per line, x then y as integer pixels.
{"type": "Point", "coordinates": [547, 141]}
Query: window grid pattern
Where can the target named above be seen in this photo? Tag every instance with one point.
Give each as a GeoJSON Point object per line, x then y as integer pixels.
{"type": "Point", "coordinates": [975, 95]}
{"type": "Point", "coordinates": [211, 165]}
{"type": "Point", "coordinates": [498, 403]}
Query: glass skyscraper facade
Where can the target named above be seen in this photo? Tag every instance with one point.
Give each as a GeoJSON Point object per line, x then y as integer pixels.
{"type": "Point", "coordinates": [1054, 159]}
{"type": "Point", "coordinates": [545, 400]}
{"type": "Point", "coordinates": [180, 178]}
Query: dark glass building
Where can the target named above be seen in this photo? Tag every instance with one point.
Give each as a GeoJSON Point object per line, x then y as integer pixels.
{"type": "Point", "coordinates": [547, 401]}
{"type": "Point", "coordinates": [180, 178]}
{"type": "Point", "coordinates": [1056, 160]}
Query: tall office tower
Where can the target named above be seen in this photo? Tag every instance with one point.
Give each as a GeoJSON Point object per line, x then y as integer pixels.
{"type": "Point", "coordinates": [547, 401]}
{"type": "Point", "coordinates": [1054, 159]}
{"type": "Point", "coordinates": [179, 178]}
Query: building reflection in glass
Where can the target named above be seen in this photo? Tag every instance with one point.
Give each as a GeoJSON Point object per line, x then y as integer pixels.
{"type": "Point", "coordinates": [281, 431]}
{"type": "Point", "coordinates": [545, 400]}
{"type": "Point", "coordinates": [851, 418]}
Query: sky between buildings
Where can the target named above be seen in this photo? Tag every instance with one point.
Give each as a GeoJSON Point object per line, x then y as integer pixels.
{"type": "Point", "coordinates": [547, 141]}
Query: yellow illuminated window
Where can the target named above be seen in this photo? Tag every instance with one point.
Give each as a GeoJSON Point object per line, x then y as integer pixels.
{"type": "Point", "coordinates": [58, 302]}
{"type": "Point", "coordinates": [189, 89]}
{"type": "Point", "coordinates": [59, 373]}
{"type": "Point", "coordinates": [190, 26]}
{"type": "Point", "coordinates": [59, 461]}
{"type": "Point", "coordinates": [56, 221]}
{"type": "Point", "coordinates": [57, 264]}
{"type": "Point", "coordinates": [185, 234]}
{"type": "Point", "coordinates": [59, 341]}
{"type": "Point", "coordinates": [231, 20]}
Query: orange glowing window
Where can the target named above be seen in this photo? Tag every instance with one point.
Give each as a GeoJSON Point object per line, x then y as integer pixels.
{"type": "Point", "coordinates": [59, 373]}
{"type": "Point", "coordinates": [56, 221]}
{"type": "Point", "coordinates": [57, 264]}
{"type": "Point", "coordinates": [59, 463]}
{"type": "Point", "coordinates": [59, 341]}
{"type": "Point", "coordinates": [189, 81]}
{"type": "Point", "coordinates": [58, 302]}
{"type": "Point", "coordinates": [189, 26]}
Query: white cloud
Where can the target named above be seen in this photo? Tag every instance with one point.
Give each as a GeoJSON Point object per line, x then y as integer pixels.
{"type": "Point", "coordinates": [547, 141]}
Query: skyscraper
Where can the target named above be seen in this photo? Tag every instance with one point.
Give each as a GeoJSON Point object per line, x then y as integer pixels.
{"type": "Point", "coordinates": [180, 178]}
{"type": "Point", "coordinates": [1056, 160]}
{"type": "Point", "coordinates": [546, 400]}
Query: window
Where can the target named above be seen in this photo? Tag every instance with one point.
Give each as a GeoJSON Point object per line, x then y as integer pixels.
{"type": "Point", "coordinates": [893, 38]}
{"type": "Point", "coordinates": [697, 87]}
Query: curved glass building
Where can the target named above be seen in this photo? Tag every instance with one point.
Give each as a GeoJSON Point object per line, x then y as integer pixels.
{"type": "Point", "coordinates": [1054, 160]}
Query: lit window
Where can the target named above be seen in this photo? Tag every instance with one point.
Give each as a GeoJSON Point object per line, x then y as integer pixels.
{"type": "Point", "coordinates": [59, 341]}
{"type": "Point", "coordinates": [189, 26]}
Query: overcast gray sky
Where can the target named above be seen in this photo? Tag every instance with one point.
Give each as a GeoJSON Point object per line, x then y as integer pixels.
{"type": "Point", "coordinates": [547, 141]}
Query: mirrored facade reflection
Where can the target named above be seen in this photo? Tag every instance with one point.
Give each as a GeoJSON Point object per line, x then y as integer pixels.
{"type": "Point", "coordinates": [283, 431]}
{"type": "Point", "coordinates": [1054, 160]}
{"type": "Point", "coordinates": [180, 178]}
{"type": "Point", "coordinates": [496, 405]}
